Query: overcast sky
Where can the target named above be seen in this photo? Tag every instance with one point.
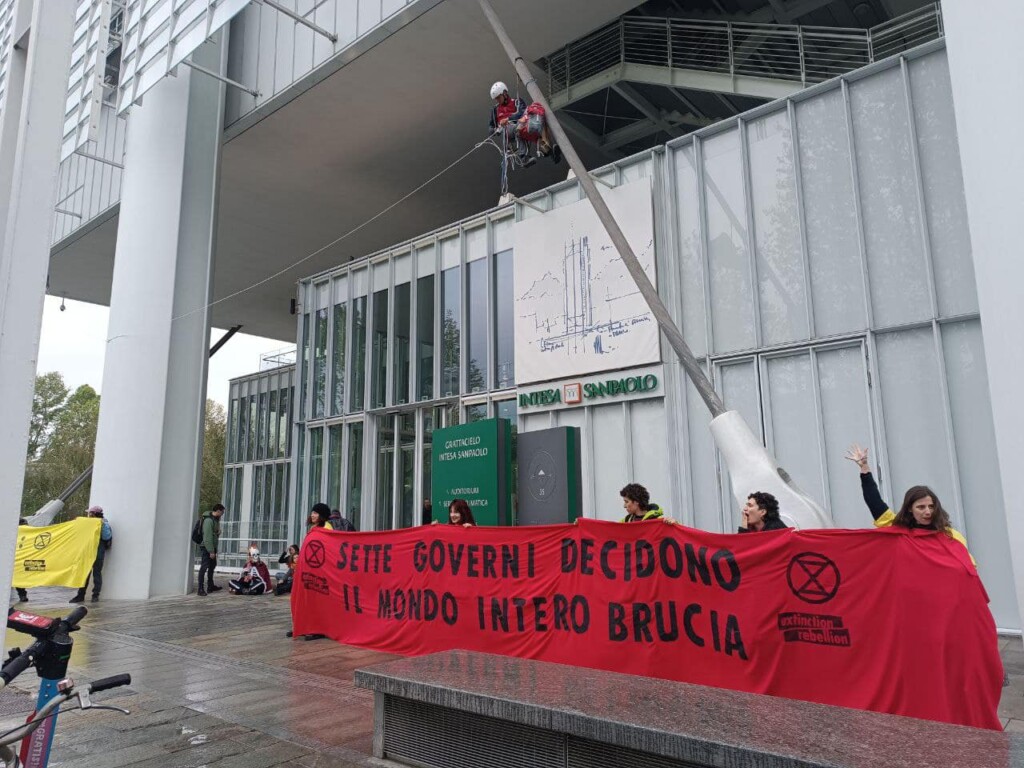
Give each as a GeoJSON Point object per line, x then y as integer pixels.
{"type": "Point", "coordinates": [73, 343]}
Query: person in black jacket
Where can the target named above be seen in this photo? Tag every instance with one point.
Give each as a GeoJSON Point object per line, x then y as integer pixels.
{"type": "Point", "coordinates": [761, 513]}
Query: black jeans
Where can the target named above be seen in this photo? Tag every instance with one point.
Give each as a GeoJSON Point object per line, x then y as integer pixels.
{"type": "Point", "coordinates": [96, 576]}
{"type": "Point", "coordinates": [206, 567]}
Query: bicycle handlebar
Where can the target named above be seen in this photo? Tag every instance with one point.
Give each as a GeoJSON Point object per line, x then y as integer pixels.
{"type": "Point", "coordinates": [72, 620]}
{"type": "Point", "coordinates": [106, 683]}
{"type": "Point", "coordinates": [19, 663]}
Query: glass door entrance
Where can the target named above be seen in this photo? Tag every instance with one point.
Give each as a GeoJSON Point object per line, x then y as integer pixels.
{"type": "Point", "coordinates": [403, 454]}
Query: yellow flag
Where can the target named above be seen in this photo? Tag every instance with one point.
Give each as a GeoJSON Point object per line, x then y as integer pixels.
{"type": "Point", "coordinates": [56, 555]}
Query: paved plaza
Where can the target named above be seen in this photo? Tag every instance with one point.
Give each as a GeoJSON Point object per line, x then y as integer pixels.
{"type": "Point", "coordinates": [216, 683]}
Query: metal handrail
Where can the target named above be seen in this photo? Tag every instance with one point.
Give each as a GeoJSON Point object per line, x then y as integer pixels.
{"type": "Point", "coordinates": [804, 54]}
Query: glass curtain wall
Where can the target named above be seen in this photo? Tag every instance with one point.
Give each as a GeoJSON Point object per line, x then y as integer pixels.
{"type": "Point", "coordinates": [421, 326]}
{"type": "Point", "coordinates": [256, 471]}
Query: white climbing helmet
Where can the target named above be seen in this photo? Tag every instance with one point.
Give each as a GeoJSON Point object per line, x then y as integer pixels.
{"type": "Point", "coordinates": [497, 89]}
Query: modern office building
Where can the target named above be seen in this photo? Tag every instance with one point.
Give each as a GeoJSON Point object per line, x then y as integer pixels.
{"type": "Point", "coordinates": [257, 461]}
{"type": "Point", "coordinates": [819, 188]}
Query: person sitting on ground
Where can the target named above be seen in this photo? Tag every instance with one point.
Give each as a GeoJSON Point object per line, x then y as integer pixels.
{"type": "Point", "coordinates": [285, 579]}
{"type": "Point", "coordinates": [921, 508]}
{"type": "Point", "coordinates": [637, 503]}
{"type": "Point", "coordinates": [255, 577]}
{"type": "Point", "coordinates": [523, 125]}
{"type": "Point", "coordinates": [459, 513]}
{"type": "Point", "coordinates": [320, 517]}
{"type": "Point", "coordinates": [761, 513]}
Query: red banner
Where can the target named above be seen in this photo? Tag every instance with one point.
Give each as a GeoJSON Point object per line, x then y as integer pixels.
{"type": "Point", "coordinates": [887, 620]}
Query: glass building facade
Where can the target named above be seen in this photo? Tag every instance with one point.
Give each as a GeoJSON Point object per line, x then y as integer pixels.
{"type": "Point", "coordinates": [257, 464]}
{"type": "Point", "coordinates": [816, 254]}
{"type": "Point", "coordinates": [396, 346]}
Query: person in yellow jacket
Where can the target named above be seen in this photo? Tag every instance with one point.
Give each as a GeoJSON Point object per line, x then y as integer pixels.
{"type": "Point", "coordinates": [921, 507]}
{"type": "Point", "coordinates": [637, 503]}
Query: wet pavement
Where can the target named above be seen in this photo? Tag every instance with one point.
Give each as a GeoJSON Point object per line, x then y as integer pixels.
{"type": "Point", "coordinates": [216, 683]}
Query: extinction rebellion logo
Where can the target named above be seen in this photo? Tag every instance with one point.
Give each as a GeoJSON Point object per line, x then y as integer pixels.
{"type": "Point", "coordinates": [815, 579]}
{"type": "Point", "coordinates": [314, 554]}
{"type": "Point", "coordinates": [42, 541]}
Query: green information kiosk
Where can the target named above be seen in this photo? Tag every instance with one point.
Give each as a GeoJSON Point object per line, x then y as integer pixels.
{"type": "Point", "coordinates": [473, 462]}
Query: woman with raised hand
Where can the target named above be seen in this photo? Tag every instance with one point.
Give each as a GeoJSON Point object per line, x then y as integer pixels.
{"type": "Point", "coordinates": [921, 507]}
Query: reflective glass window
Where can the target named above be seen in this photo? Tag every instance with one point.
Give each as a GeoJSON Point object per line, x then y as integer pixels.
{"type": "Point", "coordinates": [338, 360]}
{"type": "Point", "coordinates": [304, 366]}
{"type": "Point", "coordinates": [379, 365]}
{"type": "Point", "coordinates": [316, 465]}
{"type": "Point", "coordinates": [354, 492]}
{"type": "Point", "coordinates": [320, 364]}
{"type": "Point", "coordinates": [425, 338]}
{"type": "Point", "coordinates": [476, 316]}
{"type": "Point", "coordinates": [385, 472]}
{"type": "Point", "coordinates": [451, 324]}
{"type": "Point", "coordinates": [408, 509]}
{"type": "Point", "coordinates": [504, 320]}
{"type": "Point", "coordinates": [284, 434]}
{"type": "Point", "coordinates": [273, 425]}
{"type": "Point", "coordinates": [358, 363]}
{"type": "Point", "coordinates": [334, 467]}
{"type": "Point", "coordinates": [402, 349]}
{"type": "Point", "coordinates": [261, 428]}
{"type": "Point", "coordinates": [250, 452]}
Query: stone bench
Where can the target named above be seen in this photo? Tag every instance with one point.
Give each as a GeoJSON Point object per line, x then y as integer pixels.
{"type": "Point", "coordinates": [473, 709]}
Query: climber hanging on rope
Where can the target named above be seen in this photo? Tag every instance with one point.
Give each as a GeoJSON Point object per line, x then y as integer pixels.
{"type": "Point", "coordinates": [524, 129]}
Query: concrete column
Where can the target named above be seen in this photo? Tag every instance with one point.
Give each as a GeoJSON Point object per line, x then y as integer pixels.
{"type": "Point", "coordinates": [150, 439]}
{"type": "Point", "coordinates": [986, 64]}
{"type": "Point", "coordinates": [30, 191]}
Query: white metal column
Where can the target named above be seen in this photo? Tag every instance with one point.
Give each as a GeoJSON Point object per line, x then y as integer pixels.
{"type": "Point", "coordinates": [31, 189]}
{"type": "Point", "coordinates": [150, 438]}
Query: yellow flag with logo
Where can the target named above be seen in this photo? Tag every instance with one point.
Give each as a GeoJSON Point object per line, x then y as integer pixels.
{"type": "Point", "coordinates": [56, 555]}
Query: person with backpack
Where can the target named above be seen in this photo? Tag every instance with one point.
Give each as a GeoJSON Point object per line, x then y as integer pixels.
{"type": "Point", "coordinates": [339, 522]}
{"type": "Point", "coordinates": [206, 533]}
{"type": "Point", "coordinates": [106, 541]}
{"type": "Point", "coordinates": [523, 125]}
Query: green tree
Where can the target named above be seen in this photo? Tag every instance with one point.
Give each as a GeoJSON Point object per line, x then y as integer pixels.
{"type": "Point", "coordinates": [50, 394]}
{"type": "Point", "coordinates": [215, 434]}
{"type": "Point", "coordinates": [68, 450]}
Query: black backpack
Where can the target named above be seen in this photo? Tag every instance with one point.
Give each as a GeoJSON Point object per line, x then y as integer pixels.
{"type": "Point", "coordinates": [197, 532]}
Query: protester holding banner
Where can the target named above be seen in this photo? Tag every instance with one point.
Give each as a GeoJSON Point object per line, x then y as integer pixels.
{"type": "Point", "coordinates": [22, 592]}
{"type": "Point", "coordinates": [921, 507]}
{"type": "Point", "coordinates": [761, 513]}
{"type": "Point", "coordinates": [459, 513]}
{"type": "Point", "coordinates": [106, 540]}
{"type": "Point", "coordinates": [56, 555]}
{"type": "Point", "coordinates": [637, 503]}
{"type": "Point", "coordinates": [320, 517]}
